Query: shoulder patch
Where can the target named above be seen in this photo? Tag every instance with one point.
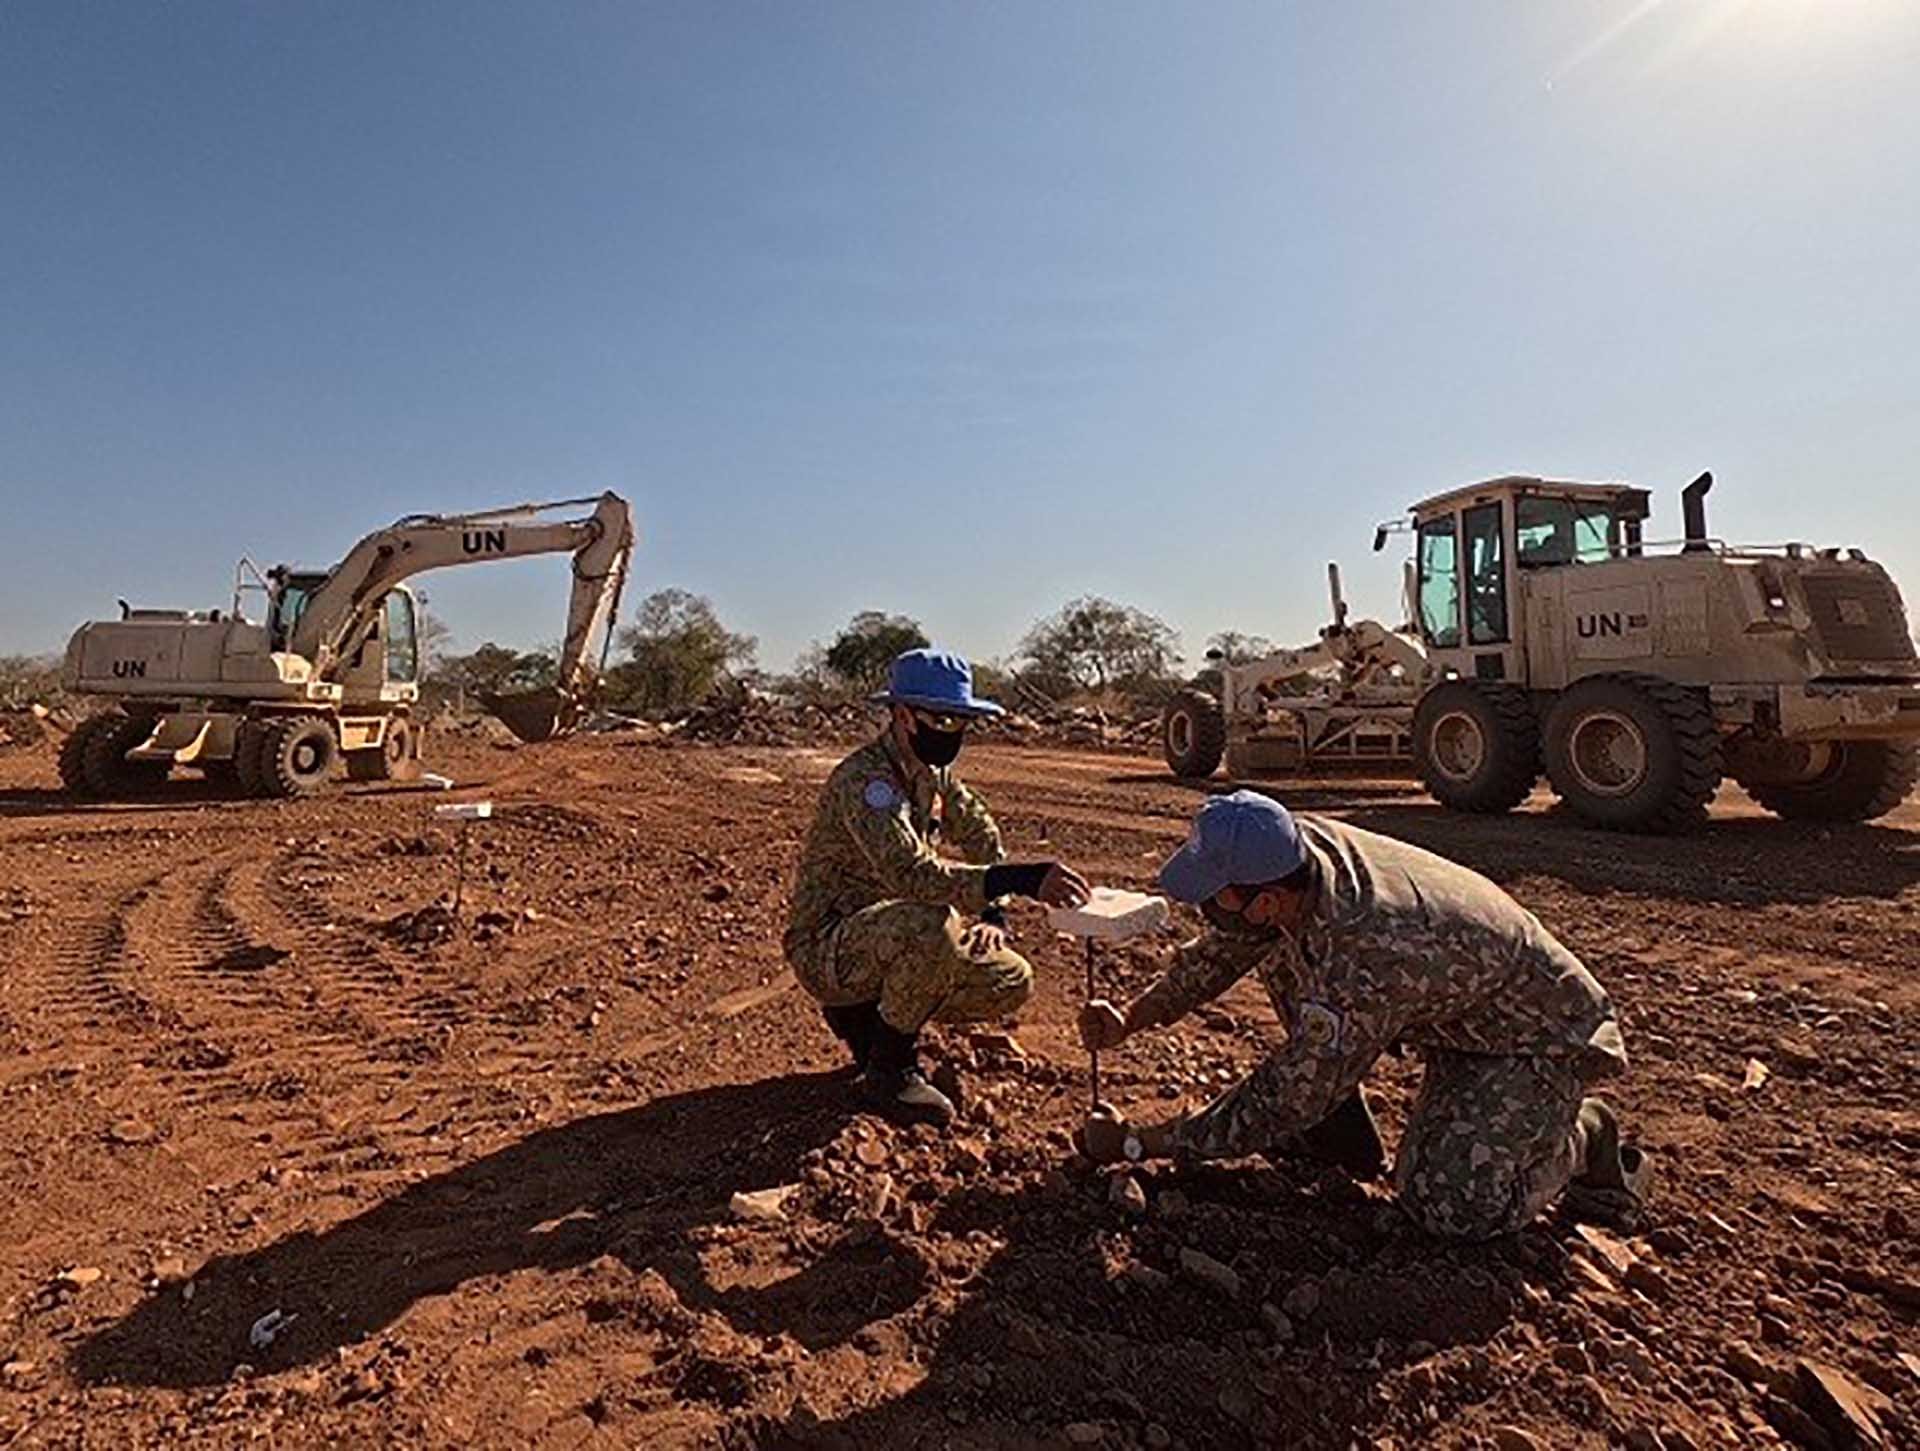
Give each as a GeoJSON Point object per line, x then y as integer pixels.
{"type": "Point", "coordinates": [1319, 1027]}
{"type": "Point", "coordinates": [881, 794]}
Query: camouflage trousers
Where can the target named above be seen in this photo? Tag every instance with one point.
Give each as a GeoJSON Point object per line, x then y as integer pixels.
{"type": "Point", "coordinates": [913, 959]}
{"type": "Point", "coordinates": [1490, 1142]}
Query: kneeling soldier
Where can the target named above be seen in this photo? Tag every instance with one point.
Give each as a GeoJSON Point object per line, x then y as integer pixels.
{"type": "Point", "coordinates": [876, 931]}
{"type": "Point", "coordinates": [1363, 942]}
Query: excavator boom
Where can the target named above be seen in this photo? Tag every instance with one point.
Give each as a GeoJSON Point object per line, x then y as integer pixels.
{"type": "Point", "coordinates": [345, 608]}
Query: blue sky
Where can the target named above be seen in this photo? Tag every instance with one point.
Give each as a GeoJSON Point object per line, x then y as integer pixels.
{"type": "Point", "coordinates": [954, 309]}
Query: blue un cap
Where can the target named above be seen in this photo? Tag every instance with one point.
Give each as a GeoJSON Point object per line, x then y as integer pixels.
{"type": "Point", "coordinates": [937, 681]}
{"type": "Point", "coordinates": [1242, 840]}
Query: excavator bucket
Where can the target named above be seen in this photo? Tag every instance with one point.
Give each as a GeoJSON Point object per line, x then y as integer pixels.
{"type": "Point", "coordinates": [536, 715]}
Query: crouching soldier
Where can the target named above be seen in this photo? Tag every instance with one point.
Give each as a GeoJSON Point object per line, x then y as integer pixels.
{"type": "Point", "coordinates": [1363, 942]}
{"type": "Point", "coordinates": [879, 930]}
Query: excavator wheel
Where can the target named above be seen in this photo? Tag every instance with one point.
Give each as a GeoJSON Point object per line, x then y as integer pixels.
{"type": "Point", "coordinates": [73, 753]}
{"type": "Point", "coordinates": [396, 759]}
{"type": "Point", "coordinates": [93, 761]}
{"type": "Point", "coordinates": [1634, 752]}
{"type": "Point", "coordinates": [296, 754]}
{"type": "Point", "coordinates": [1193, 735]}
{"type": "Point", "coordinates": [1853, 781]}
{"type": "Point", "coordinates": [1476, 745]}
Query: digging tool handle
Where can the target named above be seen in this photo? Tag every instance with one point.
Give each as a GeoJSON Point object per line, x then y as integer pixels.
{"type": "Point", "coordinates": [1093, 1053]}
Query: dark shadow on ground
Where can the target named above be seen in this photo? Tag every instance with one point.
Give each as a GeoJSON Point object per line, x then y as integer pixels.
{"type": "Point", "coordinates": [172, 795]}
{"type": "Point", "coordinates": [1728, 862]}
{"type": "Point", "coordinates": [631, 1183]}
{"type": "Point", "coordinates": [1053, 1331]}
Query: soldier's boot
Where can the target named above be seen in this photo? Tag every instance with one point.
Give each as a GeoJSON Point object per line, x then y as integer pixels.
{"type": "Point", "coordinates": [1347, 1137]}
{"type": "Point", "coordinates": [894, 1084]}
{"type": "Point", "coordinates": [1613, 1180]}
{"type": "Point", "coordinates": [853, 1025]}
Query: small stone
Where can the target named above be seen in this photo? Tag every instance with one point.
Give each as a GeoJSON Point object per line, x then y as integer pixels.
{"type": "Point", "coordinates": [133, 1131]}
{"type": "Point", "coordinates": [1774, 1330]}
{"type": "Point", "coordinates": [1172, 1204]}
{"type": "Point", "coordinates": [19, 1369]}
{"type": "Point", "coordinates": [1126, 1195]}
{"type": "Point", "coordinates": [1146, 1277]}
{"type": "Point", "coordinates": [1741, 1358]}
{"type": "Point", "coordinates": [1236, 1402]}
{"type": "Point", "coordinates": [872, 1152]}
{"type": "Point", "coordinates": [876, 1197]}
{"type": "Point", "coordinates": [171, 1270]}
{"type": "Point", "coordinates": [968, 1158]}
{"type": "Point", "coordinates": [762, 1204]}
{"type": "Point", "coordinates": [1848, 1410]}
{"type": "Point", "coordinates": [1512, 1438]}
{"type": "Point", "coordinates": [1573, 1359]}
{"type": "Point", "coordinates": [1278, 1325]}
{"type": "Point", "coordinates": [1642, 1439]}
{"type": "Point", "coordinates": [1776, 1305]}
{"type": "Point", "coordinates": [1675, 1439]}
{"type": "Point", "coordinates": [1157, 1436]}
{"type": "Point", "coordinates": [1086, 1433]}
{"type": "Point", "coordinates": [1302, 1300]}
{"type": "Point", "coordinates": [1644, 1276]}
{"type": "Point", "coordinates": [1670, 1241]}
{"type": "Point", "coordinates": [1210, 1272]}
{"type": "Point", "coordinates": [81, 1276]}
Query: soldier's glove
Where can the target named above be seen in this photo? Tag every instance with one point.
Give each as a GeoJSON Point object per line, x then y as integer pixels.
{"type": "Point", "coordinates": [1055, 883]}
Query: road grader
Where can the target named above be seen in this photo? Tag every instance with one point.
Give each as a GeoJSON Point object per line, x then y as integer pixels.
{"type": "Point", "coordinates": [1546, 633]}
{"type": "Point", "coordinates": [331, 675]}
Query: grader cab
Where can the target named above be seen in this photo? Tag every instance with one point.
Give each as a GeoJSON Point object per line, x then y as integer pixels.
{"type": "Point", "coordinates": [1638, 674]}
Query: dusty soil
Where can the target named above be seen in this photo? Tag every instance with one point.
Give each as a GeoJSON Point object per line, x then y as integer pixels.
{"type": "Point", "coordinates": [487, 1172]}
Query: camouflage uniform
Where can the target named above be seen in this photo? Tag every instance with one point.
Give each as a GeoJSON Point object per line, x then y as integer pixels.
{"type": "Point", "coordinates": [1406, 947]}
{"type": "Point", "coordinates": [876, 913]}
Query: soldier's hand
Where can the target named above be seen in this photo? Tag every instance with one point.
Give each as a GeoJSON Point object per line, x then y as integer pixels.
{"type": "Point", "coordinates": [1064, 887]}
{"type": "Point", "coordinates": [983, 939]}
{"type": "Point", "coordinates": [1102, 1025]}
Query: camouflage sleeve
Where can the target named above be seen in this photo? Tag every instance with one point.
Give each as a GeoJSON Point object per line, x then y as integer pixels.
{"type": "Point", "coordinates": [969, 825]}
{"type": "Point", "coordinates": [875, 814]}
{"type": "Point", "coordinates": [1202, 969]}
{"type": "Point", "coordinates": [1332, 1040]}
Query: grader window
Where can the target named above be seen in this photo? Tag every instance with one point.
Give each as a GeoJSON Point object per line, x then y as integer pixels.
{"type": "Point", "coordinates": [1439, 584]}
{"type": "Point", "coordinates": [1563, 531]}
{"type": "Point", "coordinates": [1486, 576]}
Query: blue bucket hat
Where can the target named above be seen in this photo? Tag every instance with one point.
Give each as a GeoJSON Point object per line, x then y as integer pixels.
{"type": "Point", "coordinates": [934, 680]}
{"type": "Point", "coordinates": [1241, 840]}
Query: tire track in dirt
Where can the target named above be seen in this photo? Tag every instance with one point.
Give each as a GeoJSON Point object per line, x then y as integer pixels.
{"type": "Point", "coordinates": [76, 984]}
{"type": "Point", "coordinates": [403, 1010]}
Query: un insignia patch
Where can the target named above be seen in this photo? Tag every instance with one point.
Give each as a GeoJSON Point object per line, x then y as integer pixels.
{"type": "Point", "coordinates": [1319, 1027]}
{"type": "Point", "coordinates": [880, 794]}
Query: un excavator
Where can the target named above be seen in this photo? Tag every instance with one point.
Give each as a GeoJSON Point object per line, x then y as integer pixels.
{"type": "Point", "coordinates": [331, 676]}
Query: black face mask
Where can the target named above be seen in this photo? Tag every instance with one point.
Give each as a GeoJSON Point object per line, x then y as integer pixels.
{"type": "Point", "coordinates": [937, 748]}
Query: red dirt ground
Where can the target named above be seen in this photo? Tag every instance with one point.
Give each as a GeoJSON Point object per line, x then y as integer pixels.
{"type": "Point", "coordinates": [489, 1176]}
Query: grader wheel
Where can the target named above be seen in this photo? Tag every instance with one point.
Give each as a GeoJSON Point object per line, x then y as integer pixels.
{"type": "Point", "coordinates": [1476, 746]}
{"type": "Point", "coordinates": [1634, 752]}
{"type": "Point", "coordinates": [1193, 735]}
{"type": "Point", "coordinates": [1846, 781]}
